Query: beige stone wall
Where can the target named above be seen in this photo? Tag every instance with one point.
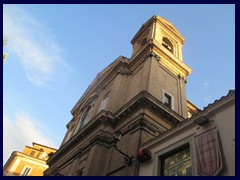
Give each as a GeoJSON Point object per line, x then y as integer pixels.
{"type": "Point", "coordinates": [135, 83]}
{"type": "Point", "coordinates": [118, 93]}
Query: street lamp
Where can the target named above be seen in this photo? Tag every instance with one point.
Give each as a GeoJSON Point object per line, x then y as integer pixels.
{"type": "Point", "coordinates": [127, 160]}
{"type": "Point", "coordinates": [202, 120]}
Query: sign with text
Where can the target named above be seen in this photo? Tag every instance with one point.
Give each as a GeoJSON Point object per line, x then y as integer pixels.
{"type": "Point", "coordinates": [209, 159]}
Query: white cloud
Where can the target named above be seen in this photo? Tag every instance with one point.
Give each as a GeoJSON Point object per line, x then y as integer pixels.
{"type": "Point", "coordinates": [206, 85]}
{"type": "Point", "coordinates": [33, 44]}
{"type": "Point", "coordinates": [22, 131]}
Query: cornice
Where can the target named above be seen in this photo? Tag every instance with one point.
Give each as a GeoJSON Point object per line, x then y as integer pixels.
{"type": "Point", "coordinates": [99, 119]}
{"type": "Point", "coordinates": [142, 100]}
{"type": "Point", "coordinates": [163, 22]}
{"type": "Point", "coordinates": [180, 66]}
{"type": "Point", "coordinates": [169, 26]}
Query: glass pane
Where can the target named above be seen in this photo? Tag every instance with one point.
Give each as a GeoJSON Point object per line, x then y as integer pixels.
{"type": "Point", "coordinates": [85, 118]}
{"type": "Point", "coordinates": [167, 100]}
{"type": "Point", "coordinates": [178, 163]}
{"type": "Point", "coordinates": [26, 171]}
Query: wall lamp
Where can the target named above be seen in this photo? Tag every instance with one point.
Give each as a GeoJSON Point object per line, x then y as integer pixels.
{"type": "Point", "coordinates": [127, 160]}
{"type": "Point", "coordinates": [202, 120]}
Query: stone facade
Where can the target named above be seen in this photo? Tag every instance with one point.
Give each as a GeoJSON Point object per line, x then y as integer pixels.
{"type": "Point", "coordinates": [142, 97]}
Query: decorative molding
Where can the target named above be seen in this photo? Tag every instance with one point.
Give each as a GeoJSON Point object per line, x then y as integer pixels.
{"type": "Point", "coordinates": [124, 71]}
{"type": "Point", "coordinates": [142, 100]}
{"type": "Point", "coordinates": [183, 78]}
{"type": "Point", "coordinates": [152, 54]}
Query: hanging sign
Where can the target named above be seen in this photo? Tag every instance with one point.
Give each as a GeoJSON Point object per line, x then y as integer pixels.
{"type": "Point", "coordinates": [209, 159]}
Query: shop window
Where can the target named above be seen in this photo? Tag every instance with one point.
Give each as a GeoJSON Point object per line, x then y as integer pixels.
{"type": "Point", "coordinates": [176, 163]}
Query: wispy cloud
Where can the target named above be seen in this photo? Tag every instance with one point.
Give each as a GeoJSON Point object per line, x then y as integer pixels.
{"type": "Point", "coordinates": [33, 43]}
{"type": "Point", "coordinates": [206, 85]}
{"type": "Point", "coordinates": [22, 131]}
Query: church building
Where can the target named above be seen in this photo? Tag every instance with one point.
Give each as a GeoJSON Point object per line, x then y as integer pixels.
{"type": "Point", "coordinates": [130, 102]}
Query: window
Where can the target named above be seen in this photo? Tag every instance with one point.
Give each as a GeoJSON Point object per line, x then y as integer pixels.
{"type": "Point", "coordinates": [103, 103]}
{"type": "Point", "coordinates": [26, 171]}
{"type": "Point", "coordinates": [104, 100]}
{"type": "Point", "coordinates": [44, 156]}
{"type": "Point", "coordinates": [167, 44]}
{"type": "Point", "coordinates": [177, 163]}
{"type": "Point", "coordinates": [85, 117]}
{"type": "Point", "coordinates": [82, 121]}
{"type": "Point", "coordinates": [32, 153]}
{"type": "Point", "coordinates": [168, 100]}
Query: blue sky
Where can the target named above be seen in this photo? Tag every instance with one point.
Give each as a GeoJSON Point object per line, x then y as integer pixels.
{"type": "Point", "coordinates": [55, 51]}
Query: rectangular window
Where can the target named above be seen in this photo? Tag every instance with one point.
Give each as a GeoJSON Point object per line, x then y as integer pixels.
{"type": "Point", "coordinates": [103, 104]}
{"type": "Point", "coordinates": [26, 171]}
{"type": "Point", "coordinates": [177, 163]}
{"type": "Point", "coordinates": [32, 153]}
{"type": "Point", "coordinates": [168, 100]}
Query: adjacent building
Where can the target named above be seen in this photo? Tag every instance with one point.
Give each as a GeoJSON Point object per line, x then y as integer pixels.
{"type": "Point", "coordinates": [175, 153]}
{"type": "Point", "coordinates": [130, 103]}
{"type": "Point", "coordinates": [30, 162]}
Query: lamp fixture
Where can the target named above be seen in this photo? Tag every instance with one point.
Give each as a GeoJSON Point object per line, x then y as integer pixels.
{"type": "Point", "coordinates": [202, 120]}
{"type": "Point", "coordinates": [127, 160]}
{"type": "Point", "coordinates": [118, 135]}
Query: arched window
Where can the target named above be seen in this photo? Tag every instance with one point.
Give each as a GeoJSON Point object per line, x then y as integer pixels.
{"type": "Point", "coordinates": [82, 121]}
{"type": "Point", "coordinates": [167, 44]}
{"type": "Point", "coordinates": [85, 117]}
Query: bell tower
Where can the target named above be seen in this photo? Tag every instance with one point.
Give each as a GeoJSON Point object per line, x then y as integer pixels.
{"type": "Point", "coordinates": [160, 39]}
{"type": "Point", "coordinates": [159, 36]}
